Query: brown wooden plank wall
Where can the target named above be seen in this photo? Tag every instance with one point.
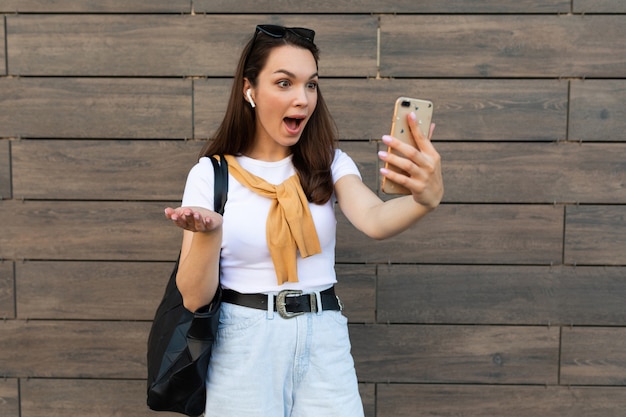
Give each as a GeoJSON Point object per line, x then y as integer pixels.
{"type": "Point", "coordinates": [508, 300]}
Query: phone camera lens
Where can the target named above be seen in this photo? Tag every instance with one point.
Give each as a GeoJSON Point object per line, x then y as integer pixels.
{"type": "Point", "coordinates": [406, 104]}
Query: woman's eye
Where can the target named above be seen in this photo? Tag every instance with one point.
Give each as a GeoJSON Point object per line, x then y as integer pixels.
{"type": "Point", "coordinates": [312, 86]}
{"type": "Point", "coordinates": [283, 83]}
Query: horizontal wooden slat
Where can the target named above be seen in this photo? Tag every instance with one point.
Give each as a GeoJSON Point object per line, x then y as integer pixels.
{"type": "Point", "coordinates": [5, 170]}
{"type": "Point", "coordinates": [403, 400]}
{"type": "Point", "coordinates": [465, 234]}
{"type": "Point", "coordinates": [460, 354]}
{"type": "Point", "coordinates": [474, 172]}
{"type": "Point", "coordinates": [87, 231]}
{"type": "Point", "coordinates": [102, 170]}
{"type": "Point", "coordinates": [95, 6]}
{"type": "Point", "coordinates": [594, 235]}
{"type": "Point", "coordinates": [530, 110]}
{"type": "Point", "coordinates": [89, 398]}
{"type": "Point", "coordinates": [357, 290]}
{"type": "Point", "coordinates": [97, 398]}
{"type": "Point", "coordinates": [204, 45]}
{"type": "Point", "coordinates": [597, 111]}
{"type": "Point", "coordinates": [95, 108]}
{"type": "Point", "coordinates": [9, 398]}
{"type": "Point", "coordinates": [385, 6]}
{"type": "Point", "coordinates": [90, 290]}
{"type": "Point", "coordinates": [74, 349]}
{"type": "Point", "coordinates": [502, 46]}
{"type": "Point", "coordinates": [7, 293]}
{"type": "Point", "coordinates": [593, 356]}
{"type": "Point", "coordinates": [599, 6]}
{"type": "Point", "coordinates": [534, 172]}
{"type": "Point", "coordinates": [467, 294]}
{"type": "Point", "coordinates": [131, 290]}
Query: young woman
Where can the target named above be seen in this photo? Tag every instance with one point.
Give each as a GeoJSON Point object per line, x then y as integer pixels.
{"type": "Point", "coordinates": [282, 347]}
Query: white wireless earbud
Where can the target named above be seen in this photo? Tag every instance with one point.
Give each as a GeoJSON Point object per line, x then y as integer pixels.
{"type": "Point", "coordinates": [249, 95]}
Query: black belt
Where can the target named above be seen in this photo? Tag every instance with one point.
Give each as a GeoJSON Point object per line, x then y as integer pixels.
{"type": "Point", "coordinates": [288, 303]}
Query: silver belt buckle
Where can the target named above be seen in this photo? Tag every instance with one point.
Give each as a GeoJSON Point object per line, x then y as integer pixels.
{"type": "Point", "coordinates": [281, 303]}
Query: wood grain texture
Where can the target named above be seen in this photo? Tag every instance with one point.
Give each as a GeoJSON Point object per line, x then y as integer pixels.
{"type": "Point", "coordinates": [5, 170]}
{"type": "Point", "coordinates": [95, 6]}
{"type": "Point", "coordinates": [90, 398]}
{"type": "Point", "coordinates": [7, 290]}
{"type": "Point", "coordinates": [3, 52]}
{"type": "Point", "coordinates": [599, 6]}
{"type": "Point", "coordinates": [356, 289]}
{"type": "Point", "coordinates": [499, 110]}
{"type": "Point", "coordinates": [404, 400]}
{"type": "Point", "coordinates": [501, 295]}
{"type": "Point", "coordinates": [464, 234]}
{"type": "Point", "coordinates": [120, 108]}
{"type": "Point", "coordinates": [503, 46]}
{"type": "Point", "coordinates": [594, 235]}
{"type": "Point", "coordinates": [73, 349]}
{"type": "Point", "coordinates": [597, 111]}
{"type": "Point", "coordinates": [90, 290]}
{"type": "Point", "coordinates": [459, 354]}
{"type": "Point", "coordinates": [9, 398]}
{"type": "Point", "coordinates": [87, 231]}
{"type": "Point", "coordinates": [385, 6]}
{"type": "Point", "coordinates": [534, 172]}
{"type": "Point", "coordinates": [593, 356]}
{"type": "Point", "coordinates": [173, 45]}
{"type": "Point", "coordinates": [102, 170]}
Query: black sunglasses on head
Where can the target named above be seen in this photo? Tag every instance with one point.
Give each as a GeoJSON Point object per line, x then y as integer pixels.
{"type": "Point", "coordinates": [276, 31]}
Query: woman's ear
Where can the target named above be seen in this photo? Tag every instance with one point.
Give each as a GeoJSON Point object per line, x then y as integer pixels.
{"type": "Point", "coordinates": [247, 92]}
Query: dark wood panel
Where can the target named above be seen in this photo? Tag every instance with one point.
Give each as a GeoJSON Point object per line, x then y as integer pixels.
{"type": "Point", "coordinates": [386, 6]}
{"type": "Point", "coordinates": [593, 356]}
{"type": "Point", "coordinates": [460, 354]}
{"type": "Point", "coordinates": [357, 290]}
{"type": "Point", "coordinates": [7, 293]}
{"type": "Point", "coordinates": [599, 6]}
{"type": "Point", "coordinates": [90, 290]}
{"type": "Point", "coordinates": [118, 108]}
{"type": "Point", "coordinates": [5, 170]}
{"type": "Point", "coordinates": [364, 154]}
{"type": "Point", "coordinates": [95, 6]}
{"type": "Point", "coordinates": [502, 46]}
{"type": "Point", "coordinates": [3, 60]}
{"type": "Point", "coordinates": [74, 349]}
{"type": "Point", "coordinates": [597, 111]}
{"type": "Point", "coordinates": [534, 172]}
{"type": "Point", "coordinates": [464, 234]}
{"type": "Point", "coordinates": [85, 398]}
{"type": "Point", "coordinates": [470, 294]}
{"type": "Point", "coordinates": [594, 235]}
{"type": "Point", "coordinates": [87, 231]}
{"type": "Point", "coordinates": [102, 170]}
{"type": "Point", "coordinates": [398, 400]}
{"type": "Point", "coordinates": [529, 110]}
{"type": "Point", "coordinates": [9, 398]}
{"type": "Point", "coordinates": [132, 291]}
{"type": "Point", "coordinates": [140, 45]}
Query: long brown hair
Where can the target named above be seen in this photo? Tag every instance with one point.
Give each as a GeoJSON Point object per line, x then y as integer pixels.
{"type": "Point", "coordinates": [314, 152]}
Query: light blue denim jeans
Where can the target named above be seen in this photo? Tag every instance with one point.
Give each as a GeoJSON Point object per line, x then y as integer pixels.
{"type": "Point", "coordinates": [263, 365]}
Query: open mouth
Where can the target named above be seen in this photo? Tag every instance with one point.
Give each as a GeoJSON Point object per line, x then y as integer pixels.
{"type": "Point", "coordinates": [293, 123]}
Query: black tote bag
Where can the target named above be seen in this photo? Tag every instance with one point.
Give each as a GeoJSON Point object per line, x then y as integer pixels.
{"type": "Point", "coordinates": [180, 342]}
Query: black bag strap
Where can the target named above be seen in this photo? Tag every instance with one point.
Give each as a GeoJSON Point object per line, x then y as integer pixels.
{"type": "Point", "coordinates": [220, 192]}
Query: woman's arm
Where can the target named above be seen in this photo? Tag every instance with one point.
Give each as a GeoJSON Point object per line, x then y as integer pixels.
{"type": "Point", "coordinates": [198, 269]}
{"type": "Point", "coordinates": [380, 220]}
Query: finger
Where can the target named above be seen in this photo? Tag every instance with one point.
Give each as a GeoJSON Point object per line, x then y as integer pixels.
{"type": "Point", "coordinates": [423, 142]}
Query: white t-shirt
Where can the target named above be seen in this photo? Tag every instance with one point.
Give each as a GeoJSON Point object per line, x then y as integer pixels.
{"type": "Point", "coordinates": [246, 265]}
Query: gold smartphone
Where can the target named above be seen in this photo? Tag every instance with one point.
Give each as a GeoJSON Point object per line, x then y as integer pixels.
{"type": "Point", "coordinates": [423, 109]}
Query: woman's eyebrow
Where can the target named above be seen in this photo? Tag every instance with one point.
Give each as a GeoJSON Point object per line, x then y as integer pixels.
{"type": "Point", "coordinates": [292, 75]}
